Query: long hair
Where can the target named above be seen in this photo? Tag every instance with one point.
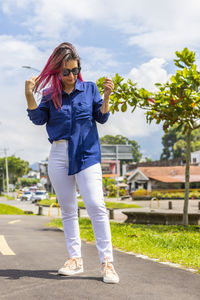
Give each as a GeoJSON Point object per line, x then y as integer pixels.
{"type": "Point", "coordinates": [50, 74]}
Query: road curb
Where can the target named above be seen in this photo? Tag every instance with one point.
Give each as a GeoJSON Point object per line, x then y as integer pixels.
{"type": "Point", "coordinates": [145, 257]}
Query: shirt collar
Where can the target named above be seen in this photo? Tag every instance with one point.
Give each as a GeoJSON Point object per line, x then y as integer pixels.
{"type": "Point", "coordinates": [78, 86]}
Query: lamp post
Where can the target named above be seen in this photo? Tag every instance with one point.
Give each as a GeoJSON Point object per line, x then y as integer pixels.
{"type": "Point", "coordinates": [31, 68]}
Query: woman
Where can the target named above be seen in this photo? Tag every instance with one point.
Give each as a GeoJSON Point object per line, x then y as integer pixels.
{"type": "Point", "coordinates": [70, 108]}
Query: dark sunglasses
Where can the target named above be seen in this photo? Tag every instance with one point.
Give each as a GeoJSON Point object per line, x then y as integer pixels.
{"type": "Point", "coordinates": [75, 71]}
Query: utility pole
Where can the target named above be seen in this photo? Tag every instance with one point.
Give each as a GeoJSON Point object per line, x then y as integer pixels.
{"type": "Point", "coordinates": [117, 172]}
{"type": "Point", "coordinates": [7, 175]}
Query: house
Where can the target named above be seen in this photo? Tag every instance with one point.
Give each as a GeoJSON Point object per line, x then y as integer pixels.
{"type": "Point", "coordinates": [171, 177]}
{"type": "Point", "coordinates": [195, 157]}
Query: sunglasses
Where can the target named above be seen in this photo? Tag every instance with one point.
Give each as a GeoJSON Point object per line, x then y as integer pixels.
{"type": "Point", "coordinates": [75, 71]}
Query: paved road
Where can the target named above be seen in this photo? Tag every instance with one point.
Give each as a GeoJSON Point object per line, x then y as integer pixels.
{"type": "Point", "coordinates": [29, 206]}
{"type": "Point", "coordinates": [118, 215]}
{"type": "Point", "coordinates": [39, 251]}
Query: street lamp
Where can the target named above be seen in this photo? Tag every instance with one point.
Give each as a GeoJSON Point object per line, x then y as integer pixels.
{"type": "Point", "coordinates": [29, 67]}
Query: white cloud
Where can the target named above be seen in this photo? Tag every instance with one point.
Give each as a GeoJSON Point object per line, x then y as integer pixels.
{"type": "Point", "coordinates": [158, 27]}
{"type": "Point", "coordinates": [134, 124]}
{"type": "Point", "coordinates": [15, 53]}
{"type": "Point", "coordinates": [147, 74]}
{"type": "Point", "coordinates": [17, 133]}
{"type": "Point", "coordinates": [128, 124]}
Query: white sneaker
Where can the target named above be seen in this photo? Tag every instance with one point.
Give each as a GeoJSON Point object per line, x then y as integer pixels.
{"type": "Point", "coordinates": [109, 273]}
{"type": "Point", "coordinates": [72, 266]}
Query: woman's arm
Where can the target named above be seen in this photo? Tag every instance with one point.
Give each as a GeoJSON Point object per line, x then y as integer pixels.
{"type": "Point", "coordinates": [37, 114]}
{"type": "Point", "coordinates": [108, 88]}
{"type": "Point", "coordinates": [29, 87]}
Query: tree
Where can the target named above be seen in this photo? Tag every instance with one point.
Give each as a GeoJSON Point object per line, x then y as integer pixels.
{"type": "Point", "coordinates": [174, 143]}
{"type": "Point", "coordinates": [118, 140]}
{"type": "Point", "coordinates": [107, 182]}
{"type": "Point", "coordinates": [175, 102]}
{"type": "Point", "coordinates": [16, 168]}
{"type": "Point", "coordinates": [29, 181]}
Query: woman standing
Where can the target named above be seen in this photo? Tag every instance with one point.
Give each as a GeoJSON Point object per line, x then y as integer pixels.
{"type": "Point", "coordinates": [70, 108]}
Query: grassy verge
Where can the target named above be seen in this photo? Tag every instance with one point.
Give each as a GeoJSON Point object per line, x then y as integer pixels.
{"type": "Point", "coordinates": [177, 244]}
{"type": "Point", "coordinates": [115, 205]}
{"type": "Point", "coordinates": [10, 210]}
{"type": "Point", "coordinates": [8, 197]}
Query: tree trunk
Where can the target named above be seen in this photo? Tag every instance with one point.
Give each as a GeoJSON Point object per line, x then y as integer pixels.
{"type": "Point", "coordinates": [187, 177]}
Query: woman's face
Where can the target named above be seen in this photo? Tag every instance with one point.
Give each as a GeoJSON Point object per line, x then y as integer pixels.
{"type": "Point", "coordinates": [69, 80]}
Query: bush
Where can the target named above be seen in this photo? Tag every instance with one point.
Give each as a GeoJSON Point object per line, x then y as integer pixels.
{"type": "Point", "coordinates": [140, 193]}
{"type": "Point", "coordinates": [165, 194]}
{"type": "Point", "coordinates": [194, 195]}
{"type": "Point", "coordinates": [112, 191]}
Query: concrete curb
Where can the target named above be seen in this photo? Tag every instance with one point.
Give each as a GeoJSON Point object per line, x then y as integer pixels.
{"type": "Point", "coordinates": [145, 257]}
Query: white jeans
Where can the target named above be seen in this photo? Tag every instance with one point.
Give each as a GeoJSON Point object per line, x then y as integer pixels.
{"type": "Point", "coordinates": [89, 182]}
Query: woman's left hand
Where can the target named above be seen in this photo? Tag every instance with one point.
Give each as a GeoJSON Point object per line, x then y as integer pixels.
{"type": "Point", "coordinates": [108, 87]}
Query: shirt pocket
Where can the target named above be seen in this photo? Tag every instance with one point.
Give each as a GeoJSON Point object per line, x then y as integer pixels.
{"type": "Point", "coordinates": [82, 108]}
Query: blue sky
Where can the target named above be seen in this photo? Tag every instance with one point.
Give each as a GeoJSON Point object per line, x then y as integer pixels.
{"type": "Point", "coordinates": [136, 39]}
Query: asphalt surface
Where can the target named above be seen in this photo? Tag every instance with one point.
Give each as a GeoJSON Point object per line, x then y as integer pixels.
{"type": "Point", "coordinates": [118, 213]}
{"type": "Point", "coordinates": [39, 251]}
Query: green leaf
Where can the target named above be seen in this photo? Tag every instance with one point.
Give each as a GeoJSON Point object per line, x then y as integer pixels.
{"type": "Point", "coordinates": [124, 107]}
{"type": "Point", "coordinates": [184, 72]}
{"type": "Point", "coordinates": [173, 79]}
{"type": "Point", "coordinates": [158, 84]}
{"type": "Point", "coordinates": [133, 108]}
{"type": "Point", "coordinates": [144, 93]}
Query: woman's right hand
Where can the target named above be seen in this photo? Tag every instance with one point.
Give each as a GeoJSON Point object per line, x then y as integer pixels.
{"type": "Point", "coordinates": [30, 85]}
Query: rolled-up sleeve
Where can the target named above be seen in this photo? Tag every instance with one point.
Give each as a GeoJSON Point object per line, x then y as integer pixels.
{"type": "Point", "coordinates": [97, 103]}
{"type": "Point", "coordinates": [40, 115]}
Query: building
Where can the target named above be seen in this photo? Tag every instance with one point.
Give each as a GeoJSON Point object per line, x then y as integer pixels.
{"type": "Point", "coordinates": [195, 157]}
{"type": "Point", "coordinates": [109, 168]}
{"type": "Point", "coordinates": [111, 156]}
{"type": "Point", "coordinates": [44, 178]}
{"type": "Point", "coordinates": [154, 178]}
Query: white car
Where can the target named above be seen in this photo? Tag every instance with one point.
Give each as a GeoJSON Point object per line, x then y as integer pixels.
{"type": "Point", "coordinates": [40, 195]}
{"type": "Point", "coordinates": [27, 196]}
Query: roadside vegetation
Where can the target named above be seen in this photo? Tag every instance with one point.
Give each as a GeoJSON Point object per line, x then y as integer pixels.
{"type": "Point", "coordinates": [8, 197]}
{"type": "Point", "coordinates": [10, 210]}
{"type": "Point", "coordinates": [176, 244]}
{"type": "Point", "coordinates": [165, 194]}
{"type": "Point", "coordinates": [115, 205]}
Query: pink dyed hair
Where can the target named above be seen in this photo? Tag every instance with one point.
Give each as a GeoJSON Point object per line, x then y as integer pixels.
{"type": "Point", "coordinates": [50, 74]}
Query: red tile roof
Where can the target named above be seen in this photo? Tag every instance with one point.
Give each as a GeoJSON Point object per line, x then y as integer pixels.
{"type": "Point", "coordinates": [171, 174]}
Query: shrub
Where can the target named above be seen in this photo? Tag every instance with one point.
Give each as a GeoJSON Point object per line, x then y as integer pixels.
{"type": "Point", "coordinates": [140, 193]}
{"type": "Point", "coordinates": [112, 191]}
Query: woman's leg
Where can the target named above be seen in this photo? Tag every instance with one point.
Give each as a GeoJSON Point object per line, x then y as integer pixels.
{"type": "Point", "coordinates": [90, 185]}
{"type": "Point", "coordinates": [65, 189]}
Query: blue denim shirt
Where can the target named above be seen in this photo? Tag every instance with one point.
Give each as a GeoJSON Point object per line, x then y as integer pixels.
{"type": "Point", "coordinates": [76, 122]}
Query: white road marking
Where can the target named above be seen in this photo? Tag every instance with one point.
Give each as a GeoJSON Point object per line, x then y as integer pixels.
{"type": "Point", "coordinates": [4, 248]}
{"type": "Point", "coordinates": [14, 221]}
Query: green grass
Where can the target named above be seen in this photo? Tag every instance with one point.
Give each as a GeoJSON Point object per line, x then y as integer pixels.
{"type": "Point", "coordinates": [10, 210]}
{"type": "Point", "coordinates": [8, 197]}
{"type": "Point", "coordinates": [177, 244]}
{"type": "Point", "coordinates": [115, 205]}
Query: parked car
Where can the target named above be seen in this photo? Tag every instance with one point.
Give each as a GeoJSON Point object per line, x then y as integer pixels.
{"type": "Point", "coordinates": [39, 195]}
{"type": "Point", "coordinates": [27, 196]}
{"type": "Point", "coordinates": [33, 189]}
